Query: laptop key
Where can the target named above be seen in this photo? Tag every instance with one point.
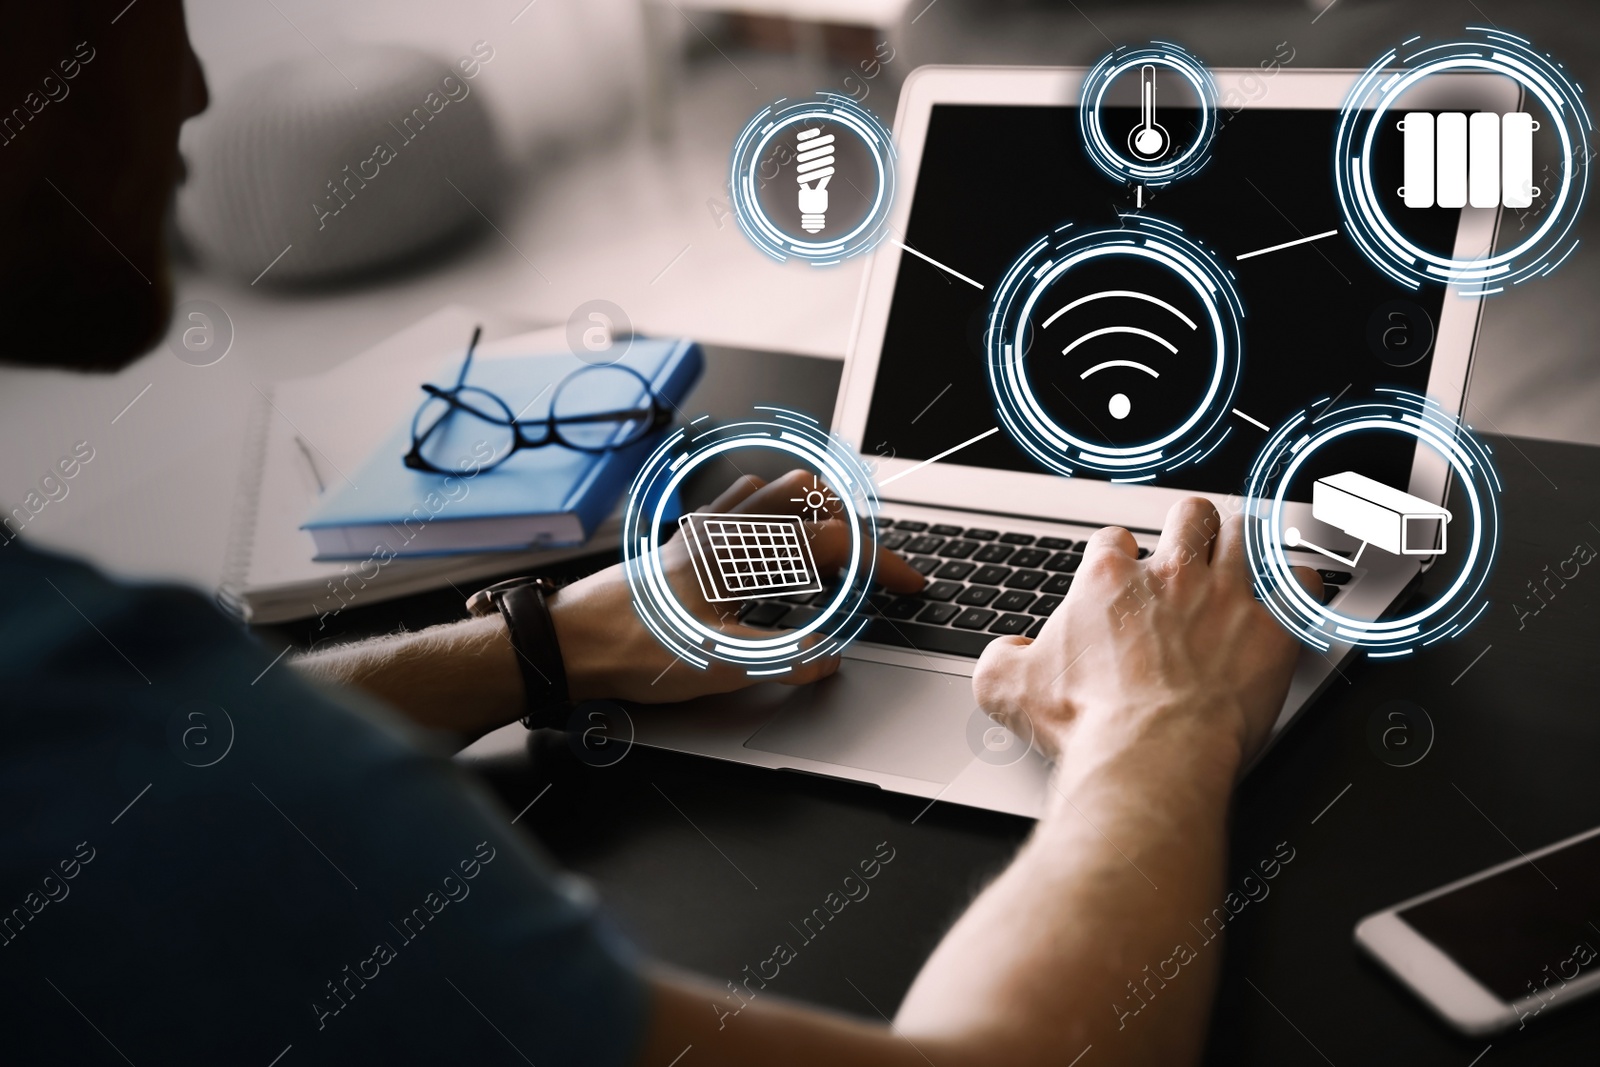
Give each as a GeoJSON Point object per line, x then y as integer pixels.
{"type": "Point", "coordinates": [994, 553]}
{"type": "Point", "coordinates": [938, 614]}
{"type": "Point", "coordinates": [1144, 553]}
{"type": "Point", "coordinates": [911, 525]}
{"type": "Point", "coordinates": [1033, 631]}
{"type": "Point", "coordinates": [978, 533]}
{"type": "Point", "coordinates": [926, 638]}
{"type": "Point", "coordinates": [1045, 605]}
{"type": "Point", "coordinates": [1016, 539]}
{"type": "Point", "coordinates": [1057, 584]}
{"type": "Point", "coordinates": [877, 602]}
{"type": "Point", "coordinates": [974, 619]}
{"type": "Point", "coordinates": [944, 529]}
{"type": "Point", "coordinates": [1064, 562]}
{"type": "Point", "coordinates": [941, 591]}
{"type": "Point", "coordinates": [1013, 600]}
{"type": "Point", "coordinates": [955, 570]}
{"type": "Point", "coordinates": [1011, 624]}
{"type": "Point", "coordinates": [883, 522]}
{"type": "Point", "coordinates": [924, 565]}
{"type": "Point", "coordinates": [924, 545]}
{"type": "Point", "coordinates": [764, 615]}
{"type": "Point", "coordinates": [1328, 593]}
{"type": "Point", "coordinates": [977, 595]}
{"type": "Point", "coordinates": [1026, 580]}
{"type": "Point", "coordinates": [1334, 577]}
{"type": "Point", "coordinates": [797, 617]}
{"type": "Point", "coordinates": [906, 607]}
{"type": "Point", "coordinates": [893, 539]}
{"type": "Point", "coordinates": [1054, 544]}
{"type": "Point", "coordinates": [1029, 557]}
{"type": "Point", "coordinates": [958, 549]}
{"type": "Point", "coordinates": [991, 575]}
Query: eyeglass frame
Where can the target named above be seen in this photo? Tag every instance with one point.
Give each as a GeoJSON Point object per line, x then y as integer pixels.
{"type": "Point", "coordinates": [657, 417]}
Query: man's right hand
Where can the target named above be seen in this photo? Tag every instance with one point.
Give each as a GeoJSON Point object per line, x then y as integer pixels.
{"type": "Point", "coordinates": [1152, 682]}
{"type": "Point", "coordinates": [1175, 642]}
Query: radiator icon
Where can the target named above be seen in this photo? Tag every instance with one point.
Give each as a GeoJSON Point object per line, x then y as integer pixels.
{"type": "Point", "coordinates": [1456, 159]}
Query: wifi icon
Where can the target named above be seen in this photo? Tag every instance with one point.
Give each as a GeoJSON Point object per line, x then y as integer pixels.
{"type": "Point", "coordinates": [1115, 352]}
{"type": "Point", "coordinates": [1118, 347]}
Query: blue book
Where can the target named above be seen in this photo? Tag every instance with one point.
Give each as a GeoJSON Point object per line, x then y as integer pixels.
{"type": "Point", "coordinates": [547, 497]}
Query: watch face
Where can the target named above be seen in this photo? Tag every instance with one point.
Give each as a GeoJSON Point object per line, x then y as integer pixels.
{"type": "Point", "coordinates": [483, 601]}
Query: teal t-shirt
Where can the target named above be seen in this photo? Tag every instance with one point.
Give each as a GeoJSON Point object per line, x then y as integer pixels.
{"type": "Point", "coordinates": [205, 859]}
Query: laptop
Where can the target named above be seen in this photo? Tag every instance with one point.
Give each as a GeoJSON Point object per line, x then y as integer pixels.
{"type": "Point", "coordinates": [991, 159]}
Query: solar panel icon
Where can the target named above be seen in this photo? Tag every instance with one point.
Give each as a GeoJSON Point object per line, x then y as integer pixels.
{"type": "Point", "coordinates": [747, 557]}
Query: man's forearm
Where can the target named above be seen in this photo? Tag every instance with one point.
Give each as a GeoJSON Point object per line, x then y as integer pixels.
{"type": "Point", "coordinates": [461, 677]}
{"type": "Point", "coordinates": [1057, 954]}
{"type": "Point", "coordinates": [1086, 938]}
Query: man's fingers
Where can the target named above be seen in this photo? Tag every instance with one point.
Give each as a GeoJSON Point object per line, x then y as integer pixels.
{"type": "Point", "coordinates": [1228, 554]}
{"type": "Point", "coordinates": [830, 546]}
{"type": "Point", "coordinates": [787, 496]}
{"type": "Point", "coordinates": [1112, 539]}
{"type": "Point", "coordinates": [740, 491]}
{"type": "Point", "coordinates": [897, 575]}
{"type": "Point", "coordinates": [806, 673]}
{"type": "Point", "coordinates": [1310, 579]}
{"type": "Point", "coordinates": [992, 678]}
{"type": "Point", "coordinates": [1188, 535]}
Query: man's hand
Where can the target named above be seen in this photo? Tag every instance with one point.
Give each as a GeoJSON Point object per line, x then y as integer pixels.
{"type": "Point", "coordinates": [1151, 683]}
{"type": "Point", "coordinates": [610, 654]}
{"type": "Point", "coordinates": [1175, 642]}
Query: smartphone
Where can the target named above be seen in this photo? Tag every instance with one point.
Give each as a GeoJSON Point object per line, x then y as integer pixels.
{"type": "Point", "coordinates": [1495, 949]}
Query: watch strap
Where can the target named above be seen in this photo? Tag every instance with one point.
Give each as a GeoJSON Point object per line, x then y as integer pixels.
{"type": "Point", "coordinates": [522, 603]}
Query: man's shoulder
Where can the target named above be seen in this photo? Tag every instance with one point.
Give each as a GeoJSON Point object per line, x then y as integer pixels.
{"type": "Point", "coordinates": [52, 605]}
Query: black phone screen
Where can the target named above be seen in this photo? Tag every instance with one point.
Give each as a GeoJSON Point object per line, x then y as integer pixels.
{"type": "Point", "coordinates": [1526, 930]}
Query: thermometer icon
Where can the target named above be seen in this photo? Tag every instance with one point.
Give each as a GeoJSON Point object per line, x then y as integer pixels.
{"type": "Point", "coordinates": [1149, 140]}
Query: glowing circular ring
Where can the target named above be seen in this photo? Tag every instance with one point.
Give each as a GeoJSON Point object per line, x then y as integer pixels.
{"type": "Point", "coordinates": [1111, 159]}
{"type": "Point", "coordinates": [1007, 346]}
{"type": "Point", "coordinates": [751, 147]}
{"type": "Point", "coordinates": [651, 504]}
{"type": "Point", "coordinates": [1363, 115]}
{"type": "Point", "coordinates": [1318, 625]}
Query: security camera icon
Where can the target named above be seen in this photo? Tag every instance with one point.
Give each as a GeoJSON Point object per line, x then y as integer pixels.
{"type": "Point", "coordinates": [1374, 514]}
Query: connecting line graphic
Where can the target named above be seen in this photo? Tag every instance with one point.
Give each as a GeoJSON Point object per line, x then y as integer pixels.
{"type": "Point", "coordinates": [936, 263]}
{"type": "Point", "coordinates": [1286, 244]}
{"type": "Point", "coordinates": [934, 459]}
{"type": "Point", "coordinates": [1352, 562]}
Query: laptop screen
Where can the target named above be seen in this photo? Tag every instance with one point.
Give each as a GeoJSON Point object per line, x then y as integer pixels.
{"type": "Point", "coordinates": [1319, 321]}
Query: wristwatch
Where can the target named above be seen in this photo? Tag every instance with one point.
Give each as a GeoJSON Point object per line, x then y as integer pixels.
{"type": "Point", "coordinates": [521, 602]}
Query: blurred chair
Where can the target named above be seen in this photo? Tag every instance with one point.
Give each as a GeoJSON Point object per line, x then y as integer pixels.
{"type": "Point", "coordinates": [295, 170]}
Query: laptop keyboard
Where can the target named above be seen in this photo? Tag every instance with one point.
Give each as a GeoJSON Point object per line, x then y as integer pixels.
{"type": "Point", "coordinates": [983, 583]}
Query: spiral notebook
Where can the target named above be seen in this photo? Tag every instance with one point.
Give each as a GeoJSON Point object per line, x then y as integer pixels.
{"type": "Point", "coordinates": [306, 434]}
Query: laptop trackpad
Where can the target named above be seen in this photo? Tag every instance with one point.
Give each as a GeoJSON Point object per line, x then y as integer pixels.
{"type": "Point", "coordinates": [878, 717]}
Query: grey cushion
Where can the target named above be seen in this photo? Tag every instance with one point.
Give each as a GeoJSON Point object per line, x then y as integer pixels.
{"type": "Point", "coordinates": [353, 178]}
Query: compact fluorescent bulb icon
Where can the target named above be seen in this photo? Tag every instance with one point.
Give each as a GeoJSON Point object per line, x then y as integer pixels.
{"type": "Point", "coordinates": [815, 155]}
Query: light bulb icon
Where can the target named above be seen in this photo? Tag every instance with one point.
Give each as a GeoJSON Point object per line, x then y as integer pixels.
{"type": "Point", "coordinates": [814, 153]}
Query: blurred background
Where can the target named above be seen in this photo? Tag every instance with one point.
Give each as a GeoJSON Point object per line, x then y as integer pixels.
{"type": "Point", "coordinates": [586, 144]}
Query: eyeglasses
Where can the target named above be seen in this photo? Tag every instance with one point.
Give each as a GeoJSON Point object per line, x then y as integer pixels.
{"type": "Point", "coordinates": [467, 428]}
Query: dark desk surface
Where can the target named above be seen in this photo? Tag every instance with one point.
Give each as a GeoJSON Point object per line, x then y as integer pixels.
{"type": "Point", "coordinates": [710, 865]}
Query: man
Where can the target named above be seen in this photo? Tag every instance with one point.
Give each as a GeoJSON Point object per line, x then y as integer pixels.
{"type": "Point", "coordinates": [324, 890]}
